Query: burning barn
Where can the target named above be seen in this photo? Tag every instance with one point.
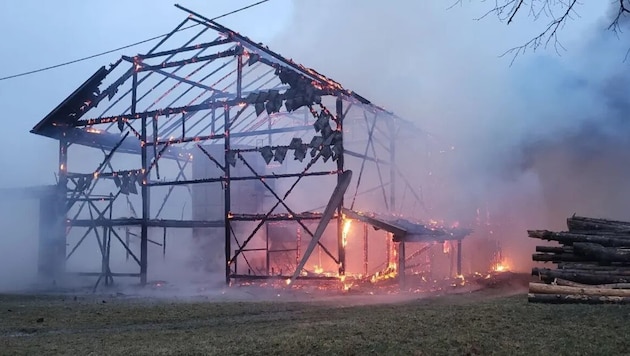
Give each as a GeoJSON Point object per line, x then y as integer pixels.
{"type": "Point", "coordinates": [212, 138]}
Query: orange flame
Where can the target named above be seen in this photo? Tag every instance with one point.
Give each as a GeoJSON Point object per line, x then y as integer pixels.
{"type": "Point", "coordinates": [501, 266]}
{"type": "Point", "coordinates": [446, 247]}
{"type": "Point", "coordinates": [347, 223]}
{"type": "Point", "coordinates": [93, 130]}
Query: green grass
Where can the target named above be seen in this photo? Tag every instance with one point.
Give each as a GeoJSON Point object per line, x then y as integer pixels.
{"type": "Point", "coordinates": [453, 325]}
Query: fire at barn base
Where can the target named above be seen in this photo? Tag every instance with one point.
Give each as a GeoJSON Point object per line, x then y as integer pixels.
{"type": "Point", "coordinates": [211, 158]}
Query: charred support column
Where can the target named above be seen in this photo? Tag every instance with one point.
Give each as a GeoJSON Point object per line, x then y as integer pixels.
{"type": "Point", "coordinates": [106, 254]}
{"type": "Point", "coordinates": [267, 246]}
{"type": "Point", "coordinates": [164, 243]}
{"type": "Point", "coordinates": [226, 192]}
{"type": "Point", "coordinates": [392, 198]}
{"type": "Point", "coordinates": [239, 74]}
{"type": "Point", "coordinates": [107, 247]}
{"type": "Point", "coordinates": [459, 257]}
{"type": "Point", "coordinates": [401, 264]}
{"type": "Point", "coordinates": [388, 247]}
{"type": "Point", "coordinates": [298, 236]}
{"type": "Point", "coordinates": [365, 249]}
{"type": "Point", "coordinates": [144, 224]}
{"type": "Point", "coordinates": [340, 169]}
{"type": "Point", "coordinates": [59, 260]}
{"type": "Point", "coordinates": [227, 188]}
{"type": "Point", "coordinates": [392, 166]}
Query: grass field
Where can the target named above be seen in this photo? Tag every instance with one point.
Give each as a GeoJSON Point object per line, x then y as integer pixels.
{"type": "Point", "coordinates": [467, 324]}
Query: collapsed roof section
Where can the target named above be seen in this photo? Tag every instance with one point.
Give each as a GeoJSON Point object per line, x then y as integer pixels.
{"type": "Point", "coordinates": [407, 231]}
{"type": "Point", "coordinates": [181, 81]}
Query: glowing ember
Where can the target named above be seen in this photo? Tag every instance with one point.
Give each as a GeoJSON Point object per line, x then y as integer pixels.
{"type": "Point", "coordinates": [93, 130]}
{"type": "Point", "coordinates": [288, 281]}
{"type": "Point", "coordinates": [501, 267]}
{"type": "Point", "coordinates": [318, 269]}
{"type": "Point", "coordinates": [390, 272]}
{"type": "Point", "coordinates": [345, 285]}
{"type": "Point", "coordinates": [446, 247]}
{"type": "Point", "coordinates": [347, 223]}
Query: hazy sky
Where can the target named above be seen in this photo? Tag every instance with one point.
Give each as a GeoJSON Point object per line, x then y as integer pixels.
{"type": "Point", "coordinates": [41, 33]}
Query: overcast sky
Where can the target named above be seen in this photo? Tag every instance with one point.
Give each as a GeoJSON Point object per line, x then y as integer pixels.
{"type": "Point", "coordinates": [39, 33]}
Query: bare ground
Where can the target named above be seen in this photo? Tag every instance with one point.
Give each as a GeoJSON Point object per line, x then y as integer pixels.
{"type": "Point", "coordinates": [488, 317]}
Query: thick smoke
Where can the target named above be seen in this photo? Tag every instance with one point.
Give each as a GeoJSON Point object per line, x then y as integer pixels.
{"type": "Point", "coordinates": [18, 243]}
{"type": "Point", "coordinates": [582, 167]}
{"type": "Point", "coordinates": [536, 142]}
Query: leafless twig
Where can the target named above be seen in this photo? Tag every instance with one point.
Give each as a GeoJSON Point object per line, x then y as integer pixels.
{"type": "Point", "coordinates": [621, 13]}
{"type": "Point", "coordinates": [549, 34]}
{"type": "Point", "coordinates": [559, 11]}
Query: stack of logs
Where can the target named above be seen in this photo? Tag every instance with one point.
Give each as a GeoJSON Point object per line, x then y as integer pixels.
{"type": "Point", "coordinates": [592, 259]}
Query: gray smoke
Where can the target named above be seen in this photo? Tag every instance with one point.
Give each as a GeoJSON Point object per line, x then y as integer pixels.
{"type": "Point", "coordinates": [583, 168]}
{"type": "Point", "coordinates": [535, 142]}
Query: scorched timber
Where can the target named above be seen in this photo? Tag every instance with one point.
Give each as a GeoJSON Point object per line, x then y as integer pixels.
{"type": "Point", "coordinates": [541, 288]}
{"type": "Point", "coordinates": [594, 266]}
{"type": "Point", "coordinates": [562, 282]}
{"type": "Point", "coordinates": [590, 224]}
{"type": "Point", "coordinates": [600, 253]}
{"type": "Point", "coordinates": [554, 249]}
{"type": "Point", "coordinates": [569, 238]}
{"type": "Point", "coordinates": [614, 272]}
{"type": "Point", "coordinates": [548, 275]}
{"type": "Point", "coordinates": [582, 299]}
{"type": "Point", "coordinates": [556, 258]}
{"type": "Point", "coordinates": [151, 223]}
{"type": "Point", "coordinates": [593, 263]}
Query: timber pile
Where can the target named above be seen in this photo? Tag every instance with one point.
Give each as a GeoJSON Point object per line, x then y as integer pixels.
{"type": "Point", "coordinates": [592, 263]}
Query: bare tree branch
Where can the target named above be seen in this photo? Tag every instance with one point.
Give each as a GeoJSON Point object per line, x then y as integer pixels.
{"type": "Point", "coordinates": [516, 8]}
{"type": "Point", "coordinates": [558, 11]}
{"type": "Point", "coordinates": [621, 13]}
{"type": "Point", "coordinates": [549, 34]}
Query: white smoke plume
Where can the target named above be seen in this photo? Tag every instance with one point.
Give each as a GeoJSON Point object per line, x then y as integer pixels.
{"type": "Point", "coordinates": [536, 141]}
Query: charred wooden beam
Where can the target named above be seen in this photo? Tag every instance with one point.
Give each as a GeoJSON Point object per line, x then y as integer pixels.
{"type": "Point", "coordinates": [601, 253]}
{"type": "Point", "coordinates": [584, 223]}
{"type": "Point", "coordinates": [616, 272]}
{"type": "Point", "coordinates": [541, 288]}
{"type": "Point", "coordinates": [593, 266]}
{"type": "Point", "coordinates": [558, 257]}
{"type": "Point", "coordinates": [548, 275]}
{"type": "Point", "coordinates": [335, 201]}
{"type": "Point", "coordinates": [150, 223]}
{"type": "Point", "coordinates": [568, 238]}
{"type": "Point", "coordinates": [562, 282]}
{"type": "Point", "coordinates": [576, 299]}
{"type": "Point", "coordinates": [554, 249]}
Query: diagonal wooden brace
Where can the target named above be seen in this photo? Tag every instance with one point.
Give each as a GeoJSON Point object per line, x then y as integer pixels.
{"type": "Point", "coordinates": [329, 212]}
